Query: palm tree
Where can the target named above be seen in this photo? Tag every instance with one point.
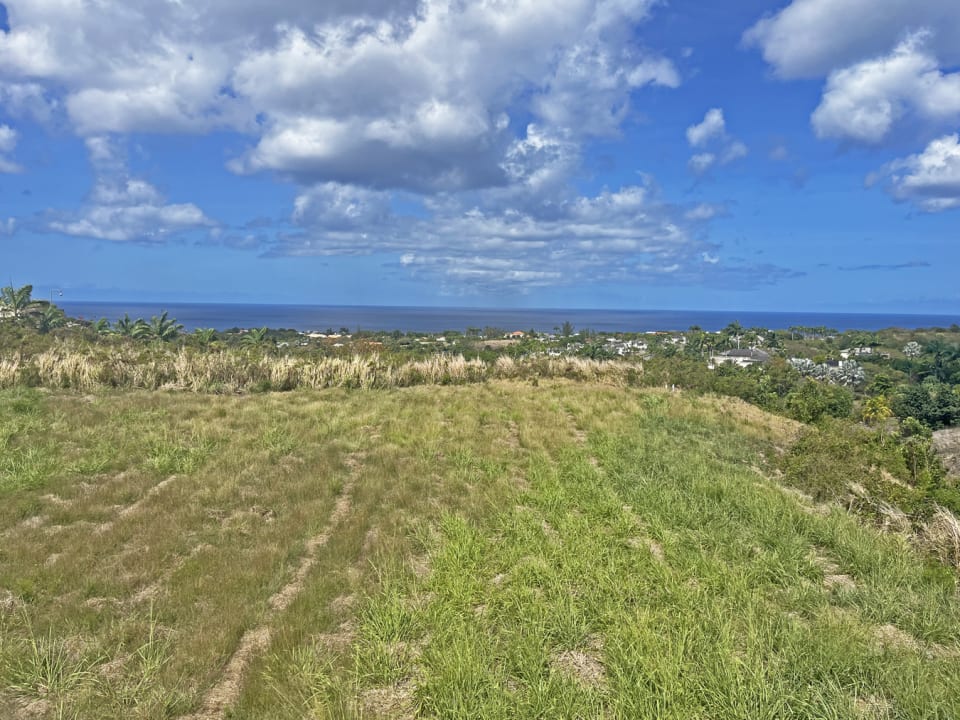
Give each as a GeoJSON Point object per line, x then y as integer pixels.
{"type": "Point", "coordinates": [255, 337]}
{"type": "Point", "coordinates": [141, 330]}
{"type": "Point", "coordinates": [162, 328]}
{"type": "Point", "coordinates": [734, 330]}
{"type": "Point", "coordinates": [125, 326]}
{"type": "Point", "coordinates": [51, 317]}
{"type": "Point", "coordinates": [204, 336]}
{"type": "Point", "coordinates": [102, 326]}
{"type": "Point", "coordinates": [695, 339]}
{"type": "Point", "coordinates": [17, 300]}
{"type": "Point", "coordinates": [944, 354]}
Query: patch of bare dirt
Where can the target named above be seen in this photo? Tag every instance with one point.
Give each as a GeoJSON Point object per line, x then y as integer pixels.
{"type": "Point", "coordinates": [873, 707]}
{"type": "Point", "coordinates": [891, 637]}
{"type": "Point", "coordinates": [581, 666]}
{"type": "Point", "coordinates": [31, 523]}
{"type": "Point", "coordinates": [946, 443]}
{"type": "Point", "coordinates": [32, 709]}
{"type": "Point", "coordinates": [839, 581]}
{"type": "Point", "coordinates": [339, 641]}
{"type": "Point", "coordinates": [655, 548]}
{"type": "Point", "coordinates": [395, 701]}
{"type": "Point", "coordinates": [552, 535]}
{"type": "Point", "coordinates": [343, 603]}
{"type": "Point", "coordinates": [420, 564]}
{"type": "Point", "coordinates": [832, 577]}
{"type": "Point", "coordinates": [8, 601]}
{"type": "Point", "coordinates": [55, 500]}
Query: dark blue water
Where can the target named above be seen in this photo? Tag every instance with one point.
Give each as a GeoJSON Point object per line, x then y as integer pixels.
{"type": "Point", "coordinates": [315, 317]}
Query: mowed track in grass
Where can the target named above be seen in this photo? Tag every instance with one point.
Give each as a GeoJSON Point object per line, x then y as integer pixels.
{"type": "Point", "coordinates": [493, 551]}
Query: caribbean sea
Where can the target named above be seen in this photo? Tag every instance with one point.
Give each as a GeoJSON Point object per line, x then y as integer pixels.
{"type": "Point", "coordinates": [435, 320]}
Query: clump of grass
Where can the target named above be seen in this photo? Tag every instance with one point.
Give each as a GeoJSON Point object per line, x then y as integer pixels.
{"type": "Point", "coordinates": [173, 456]}
{"type": "Point", "coordinates": [23, 468]}
{"type": "Point", "coordinates": [43, 665]}
{"type": "Point", "coordinates": [942, 534]}
{"type": "Point", "coordinates": [139, 691]}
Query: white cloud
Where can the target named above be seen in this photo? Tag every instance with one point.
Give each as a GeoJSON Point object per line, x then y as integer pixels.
{"type": "Point", "coordinates": [734, 151]}
{"type": "Point", "coordinates": [712, 133]}
{"type": "Point", "coordinates": [475, 112]}
{"type": "Point", "coordinates": [384, 94]}
{"type": "Point", "coordinates": [701, 162]}
{"type": "Point", "coordinates": [712, 126]}
{"type": "Point", "coordinates": [704, 211]}
{"type": "Point", "coordinates": [628, 235]}
{"type": "Point", "coordinates": [8, 141]}
{"type": "Point", "coordinates": [930, 179]}
{"type": "Point", "coordinates": [779, 152]}
{"type": "Point", "coordinates": [863, 101]}
{"type": "Point", "coordinates": [26, 100]}
{"type": "Point", "coordinates": [811, 38]}
{"type": "Point", "coordinates": [122, 208]}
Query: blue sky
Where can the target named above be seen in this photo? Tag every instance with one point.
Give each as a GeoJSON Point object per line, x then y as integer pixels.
{"type": "Point", "coordinates": [749, 155]}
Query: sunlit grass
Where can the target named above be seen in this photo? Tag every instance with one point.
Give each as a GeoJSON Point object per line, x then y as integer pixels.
{"type": "Point", "coordinates": [497, 550]}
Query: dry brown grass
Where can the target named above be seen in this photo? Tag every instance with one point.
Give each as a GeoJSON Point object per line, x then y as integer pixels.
{"type": "Point", "coordinates": [942, 534]}
{"type": "Point", "coordinates": [234, 372]}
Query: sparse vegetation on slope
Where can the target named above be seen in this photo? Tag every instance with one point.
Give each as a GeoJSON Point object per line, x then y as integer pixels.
{"type": "Point", "coordinates": [492, 550]}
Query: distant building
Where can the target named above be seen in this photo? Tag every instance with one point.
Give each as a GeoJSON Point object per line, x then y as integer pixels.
{"type": "Point", "coordinates": [741, 358]}
{"type": "Point", "coordinates": [516, 335]}
{"type": "Point", "coordinates": [856, 352]}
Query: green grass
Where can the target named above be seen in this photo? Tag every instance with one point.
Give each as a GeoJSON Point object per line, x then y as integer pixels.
{"type": "Point", "coordinates": [500, 550]}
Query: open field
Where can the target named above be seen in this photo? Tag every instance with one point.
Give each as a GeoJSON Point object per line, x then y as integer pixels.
{"type": "Point", "coordinates": [496, 550]}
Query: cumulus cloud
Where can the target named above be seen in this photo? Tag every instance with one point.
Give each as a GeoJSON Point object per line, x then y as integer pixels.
{"type": "Point", "coordinates": [811, 38]}
{"type": "Point", "coordinates": [885, 64]}
{"type": "Point", "coordinates": [863, 101]}
{"type": "Point", "coordinates": [475, 112]}
{"type": "Point", "coordinates": [27, 100]}
{"type": "Point", "coordinates": [705, 211]}
{"type": "Point", "coordinates": [8, 141]}
{"type": "Point", "coordinates": [411, 95]}
{"type": "Point", "coordinates": [930, 179]}
{"type": "Point", "coordinates": [712, 126]}
{"type": "Point", "coordinates": [701, 162]}
{"type": "Point", "coordinates": [712, 132]}
{"type": "Point", "coordinates": [628, 235]}
{"type": "Point", "coordinates": [122, 208]}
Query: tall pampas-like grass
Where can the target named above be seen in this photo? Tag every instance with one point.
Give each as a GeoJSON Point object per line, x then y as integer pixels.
{"type": "Point", "coordinates": [229, 371]}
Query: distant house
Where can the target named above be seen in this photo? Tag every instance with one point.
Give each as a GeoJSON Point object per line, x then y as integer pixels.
{"type": "Point", "coordinates": [516, 335]}
{"type": "Point", "coordinates": [741, 358]}
{"type": "Point", "coordinates": [856, 352]}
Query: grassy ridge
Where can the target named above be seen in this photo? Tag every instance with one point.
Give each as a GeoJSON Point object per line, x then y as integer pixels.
{"type": "Point", "coordinates": [498, 550]}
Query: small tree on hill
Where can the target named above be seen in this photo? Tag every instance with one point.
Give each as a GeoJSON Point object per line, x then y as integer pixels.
{"type": "Point", "coordinates": [164, 329]}
{"type": "Point", "coordinates": [51, 317]}
{"type": "Point", "coordinates": [17, 300]}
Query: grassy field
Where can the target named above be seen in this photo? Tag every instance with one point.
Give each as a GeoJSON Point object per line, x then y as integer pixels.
{"type": "Point", "coordinates": [499, 550]}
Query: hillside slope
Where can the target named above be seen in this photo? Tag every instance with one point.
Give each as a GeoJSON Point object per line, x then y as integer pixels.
{"type": "Point", "coordinates": [502, 550]}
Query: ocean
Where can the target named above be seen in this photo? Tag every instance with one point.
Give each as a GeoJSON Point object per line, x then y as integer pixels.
{"type": "Point", "coordinates": [435, 320]}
